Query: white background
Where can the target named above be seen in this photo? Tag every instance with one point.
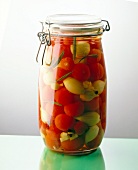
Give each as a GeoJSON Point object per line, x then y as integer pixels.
{"type": "Point", "coordinates": [19, 25]}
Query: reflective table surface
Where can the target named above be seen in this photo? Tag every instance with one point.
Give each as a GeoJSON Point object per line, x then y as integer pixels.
{"type": "Point", "coordinates": [30, 153]}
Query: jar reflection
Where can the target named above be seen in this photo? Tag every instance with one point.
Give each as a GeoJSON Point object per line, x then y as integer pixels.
{"type": "Point", "coordinates": [55, 161]}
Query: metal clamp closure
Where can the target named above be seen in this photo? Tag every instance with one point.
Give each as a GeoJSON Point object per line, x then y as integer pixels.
{"type": "Point", "coordinates": [45, 40]}
{"type": "Point", "coordinates": [107, 26]}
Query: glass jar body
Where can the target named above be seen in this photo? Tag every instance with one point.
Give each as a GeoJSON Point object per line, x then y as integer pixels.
{"type": "Point", "coordinates": [72, 94]}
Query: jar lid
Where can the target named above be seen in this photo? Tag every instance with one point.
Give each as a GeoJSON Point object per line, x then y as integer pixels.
{"type": "Point", "coordinates": [73, 19]}
{"type": "Point", "coordinates": [74, 24]}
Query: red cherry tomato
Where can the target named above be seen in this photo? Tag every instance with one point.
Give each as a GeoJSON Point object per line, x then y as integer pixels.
{"type": "Point", "coordinates": [95, 56]}
{"type": "Point", "coordinates": [67, 63]}
{"type": "Point", "coordinates": [63, 96]}
{"type": "Point", "coordinates": [64, 122]}
{"type": "Point", "coordinates": [67, 52]}
{"type": "Point", "coordinates": [97, 71]}
{"type": "Point", "coordinates": [52, 129]}
{"type": "Point", "coordinates": [96, 44]}
{"type": "Point", "coordinates": [81, 72]}
{"type": "Point", "coordinates": [60, 73]}
{"type": "Point", "coordinates": [93, 105]}
{"type": "Point", "coordinates": [74, 109]}
{"type": "Point", "coordinates": [52, 138]}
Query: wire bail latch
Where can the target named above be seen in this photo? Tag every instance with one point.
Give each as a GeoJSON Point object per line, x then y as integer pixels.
{"type": "Point", "coordinates": [107, 26]}
{"type": "Point", "coordinates": [45, 40]}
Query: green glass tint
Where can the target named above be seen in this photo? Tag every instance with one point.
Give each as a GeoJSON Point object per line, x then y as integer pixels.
{"type": "Point", "coordinates": [54, 161]}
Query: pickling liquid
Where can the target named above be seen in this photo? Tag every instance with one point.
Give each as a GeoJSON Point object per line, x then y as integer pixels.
{"type": "Point", "coordinates": [72, 95]}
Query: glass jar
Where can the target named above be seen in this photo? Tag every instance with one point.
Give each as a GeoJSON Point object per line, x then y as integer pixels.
{"type": "Point", "coordinates": [72, 83]}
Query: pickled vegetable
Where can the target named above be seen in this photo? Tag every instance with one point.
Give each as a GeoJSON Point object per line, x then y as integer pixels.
{"type": "Point", "coordinates": [90, 118]}
{"type": "Point", "coordinates": [64, 122]}
{"type": "Point", "coordinates": [74, 109]}
{"type": "Point", "coordinates": [63, 96]}
{"type": "Point", "coordinates": [81, 72]}
{"type": "Point", "coordinates": [72, 95]}
{"type": "Point", "coordinates": [74, 86]}
{"type": "Point", "coordinates": [91, 133]}
{"type": "Point", "coordinates": [97, 71]}
{"type": "Point", "coordinates": [99, 85]}
{"type": "Point", "coordinates": [66, 63]}
{"type": "Point", "coordinates": [82, 49]}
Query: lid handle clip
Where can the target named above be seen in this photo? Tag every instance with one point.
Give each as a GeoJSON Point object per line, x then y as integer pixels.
{"type": "Point", "coordinates": [45, 40]}
{"type": "Point", "coordinates": [107, 26]}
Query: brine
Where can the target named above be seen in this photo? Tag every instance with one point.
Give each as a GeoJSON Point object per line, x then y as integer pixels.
{"type": "Point", "coordinates": [72, 94]}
